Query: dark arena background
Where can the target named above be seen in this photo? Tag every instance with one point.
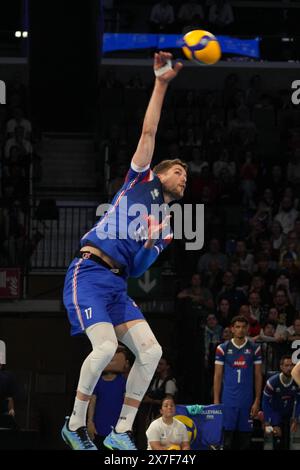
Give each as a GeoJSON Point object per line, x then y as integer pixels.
{"type": "Point", "coordinates": [76, 79]}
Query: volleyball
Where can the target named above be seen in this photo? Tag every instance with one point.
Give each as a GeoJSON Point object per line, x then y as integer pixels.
{"type": "Point", "coordinates": [201, 46]}
{"type": "Point", "coordinates": [190, 426]}
{"type": "Point", "coordinates": [174, 447]}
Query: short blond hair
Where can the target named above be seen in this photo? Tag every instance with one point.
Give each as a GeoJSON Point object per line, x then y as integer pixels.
{"type": "Point", "coordinates": [165, 165]}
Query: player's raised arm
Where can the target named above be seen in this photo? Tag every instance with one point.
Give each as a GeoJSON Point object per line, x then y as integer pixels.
{"type": "Point", "coordinates": [164, 73]}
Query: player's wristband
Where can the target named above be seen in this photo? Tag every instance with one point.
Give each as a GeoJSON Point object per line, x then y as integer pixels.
{"type": "Point", "coordinates": [164, 69]}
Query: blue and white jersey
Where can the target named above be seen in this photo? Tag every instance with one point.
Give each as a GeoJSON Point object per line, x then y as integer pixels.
{"type": "Point", "coordinates": [238, 373]}
{"type": "Point", "coordinates": [280, 400]}
{"type": "Point", "coordinates": [122, 231]}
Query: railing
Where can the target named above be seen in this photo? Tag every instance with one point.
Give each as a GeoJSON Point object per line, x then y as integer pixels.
{"type": "Point", "coordinates": [44, 239]}
{"type": "Point", "coordinates": [57, 239]}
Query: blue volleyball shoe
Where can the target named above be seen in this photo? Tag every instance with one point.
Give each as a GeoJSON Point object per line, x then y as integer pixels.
{"type": "Point", "coordinates": [77, 440]}
{"type": "Point", "coordinates": [120, 441]}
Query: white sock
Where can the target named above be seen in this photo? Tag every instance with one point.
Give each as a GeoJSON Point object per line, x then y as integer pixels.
{"type": "Point", "coordinates": [126, 419]}
{"type": "Point", "coordinates": [78, 417]}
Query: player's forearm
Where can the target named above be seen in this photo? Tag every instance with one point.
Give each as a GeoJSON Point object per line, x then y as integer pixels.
{"type": "Point", "coordinates": [145, 148]}
{"type": "Point", "coordinates": [217, 390]}
{"type": "Point", "coordinates": [154, 108]}
{"type": "Point", "coordinates": [258, 384]}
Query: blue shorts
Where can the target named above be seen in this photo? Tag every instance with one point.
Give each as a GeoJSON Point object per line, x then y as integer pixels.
{"type": "Point", "coordinates": [237, 419]}
{"type": "Point", "coordinates": [93, 294]}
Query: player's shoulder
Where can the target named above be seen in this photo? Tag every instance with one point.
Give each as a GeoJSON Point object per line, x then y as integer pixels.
{"type": "Point", "coordinates": [139, 174]}
{"type": "Point", "coordinates": [255, 347]}
{"type": "Point", "coordinates": [223, 347]}
{"type": "Point", "coordinates": [274, 379]}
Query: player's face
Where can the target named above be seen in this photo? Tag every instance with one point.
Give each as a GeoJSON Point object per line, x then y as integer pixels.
{"type": "Point", "coordinates": [168, 408]}
{"type": "Point", "coordinates": [287, 367]}
{"type": "Point", "coordinates": [174, 182]}
{"type": "Point", "coordinates": [239, 330]}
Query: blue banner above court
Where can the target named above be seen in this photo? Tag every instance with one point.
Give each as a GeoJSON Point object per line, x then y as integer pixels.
{"type": "Point", "coordinates": [229, 45]}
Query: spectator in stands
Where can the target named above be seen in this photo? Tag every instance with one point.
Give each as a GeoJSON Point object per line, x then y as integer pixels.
{"type": "Point", "coordinates": [285, 310]}
{"type": "Point", "coordinates": [267, 333]}
{"type": "Point", "coordinates": [276, 182]}
{"type": "Point", "coordinates": [190, 137]}
{"type": "Point", "coordinates": [248, 174]}
{"type": "Point", "coordinates": [288, 278]}
{"type": "Point", "coordinates": [245, 258]}
{"type": "Point", "coordinates": [220, 15]}
{"type": "Point", "coordinates": [197, 162]}
{"type": "Point", "coordinates": [264, 270]}
{"type": "Point", "coordinates": [212, 337]}
{"type": "Point", "coordinates": [264, 298]}
{"type": "Point", "coordinates": [255, 308]}
{"type": "Point", "coordinates": [280, 329]}
{"type": "Point", "coordinates": [254, 326]}
{"type": "Point", "coordinates": [266, 207]}
{"type": "Point", "coordinates": [228, 291]}
{"type": "Point", "coordinates": [191, 13]}
{"type": "Point", "coordinates": [293, 332]}
{"type": "Point", "coordinates": [272, 346]}
{"type": "Point", "coordinates": [226, 334]}
{"type": "Point", "coordinates": [214, 253]}
{"type": "Point", "coordinates": [18, 120]}
{"type": "Point", "coordinates": [227, 195]}
{"type": "Point", "coordinates": [204, 188]}
{"type": "Point", "coordinates": [19, 141]}
{"type": "Point", "coordinates": [277, 239]}
{"type": "Point", "coordinates": [198, 294]}
{"type": "Point", "coordinates": [224, 163]}
{"type": "Point", "coordinates": [241, 277]}
{"type": "Point", "coordinates": [223, 313]}
{"type": "Point", "coordinates": [213, 276]}
{"type": "Point", "coordinates": [287, 214]}
{"type": "Point", "coordinates": [291, 247]}
{"type": "Point", "coordinates": [162, 17]}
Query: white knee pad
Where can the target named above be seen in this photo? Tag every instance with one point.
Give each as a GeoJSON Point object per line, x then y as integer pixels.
{"type": "Point", "coordinates": [104, 343]}
{"type": "Point", "coordinates": [142, 342]}
{"type": "Point", "coordinates": [102, 354]}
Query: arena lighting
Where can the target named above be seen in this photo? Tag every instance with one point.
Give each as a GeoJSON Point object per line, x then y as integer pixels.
{"type": "Point", "coordinates": [25, 34]}
{"type": "Point", "coordinates": [287, 39]}
{"type": "Point", "coordinates": [18, 34]}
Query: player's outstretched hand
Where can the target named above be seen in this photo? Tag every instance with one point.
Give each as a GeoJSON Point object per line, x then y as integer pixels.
{"type": "Point", "coordinates": [163, 69]}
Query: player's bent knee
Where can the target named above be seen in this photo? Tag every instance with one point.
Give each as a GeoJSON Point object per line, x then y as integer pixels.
{"type": "Point", "coordinates": [150, 357]}
{"type": "Point", "coordinates": [102, 354]}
